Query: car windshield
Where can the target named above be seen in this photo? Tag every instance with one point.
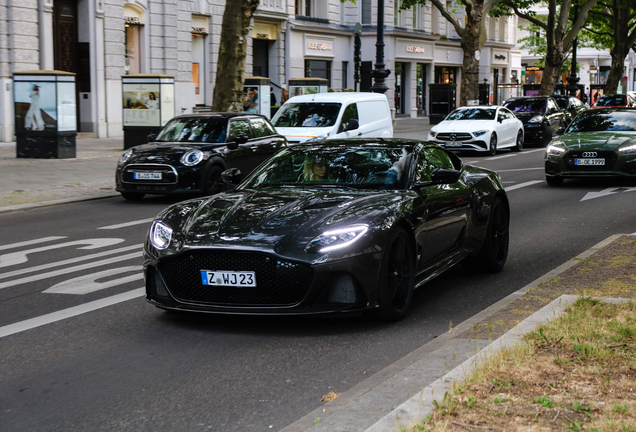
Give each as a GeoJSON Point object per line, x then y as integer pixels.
{"type": "Point", "coordinates": [473, 114]}
{"type": "Point", "coordinates": [595, 121]}
{"type": "Point", "coordinates": [311, 114]}
{"type": "Point", "coordinates": [368, 167]}
{"type": "Point", "coordinates": [561, 101]}
{"type": "Point", "coordinates": [526, 105]}
{"type": "Point", "coordinates": [194, 129]}
{"type": "Point", "coordinates": [616, 100]}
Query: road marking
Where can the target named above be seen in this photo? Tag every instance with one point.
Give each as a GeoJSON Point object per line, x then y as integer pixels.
{"type": "Point", "coordinates": [605, 192]}
{"type": "Point", "coordinates": [68, 270]}
{"type": "Point", "coordinates": [88, 283]}
{"type": "Point", "coordinates": [69, 261]}
{"type": "Point", "coordinates": [521, 185]}
{"type": "Point", "coordinates": [533, 151]}
{"type": "Point", "coordinates": [31, 242]}
{"type": "Point", "coordinates": [500, 157]}
{"type": "Point", "coordinates": [521, 169]}
{"type": "Point", "coordinates": [127, 224]}
{"type": "Point", "coordinates": [70, 312]}
{"type": "Point", "coordinates": [15, 258]}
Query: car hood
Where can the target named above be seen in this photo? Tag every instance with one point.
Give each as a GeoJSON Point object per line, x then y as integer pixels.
{"type": "Point", "coordinates": [598, 140]}
{"type": "Point", "coordinates": [302, 134]}
{"type": "Point", "coordinates": [164, 152]}
{"type": "Point", "coordinates": [282, 220]}
{"type": "Point", "coordinates": [527, 115]}
{"type": "Point", "coordinates": [463, 125]}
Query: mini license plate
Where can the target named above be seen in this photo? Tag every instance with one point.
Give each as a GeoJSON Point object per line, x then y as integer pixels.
{"type": "Point", "coordinates": [453, 144]}
{"type": "Point", "coordinates": [147, 176]}
{"type": "Point", "coordinates": [597, 161]}
{"type": "Point", "coordinates": [228, 278]}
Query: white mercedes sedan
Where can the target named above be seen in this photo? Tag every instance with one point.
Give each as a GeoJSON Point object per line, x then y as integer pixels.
{"type": "Point", "coordinates": [479, 128]}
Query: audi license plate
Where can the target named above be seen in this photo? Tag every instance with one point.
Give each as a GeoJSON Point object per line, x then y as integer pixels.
{"type": "Point", "coordinates": [453, 144]}
{"type": "Point", "coordinates": [595, 161]}
{"type": "Point", "coordinates": [228, 278]}
{"type": "Point", "coordinates": [147, 176]}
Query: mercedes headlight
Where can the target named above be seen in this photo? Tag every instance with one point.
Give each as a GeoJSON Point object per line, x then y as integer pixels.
{"type": "Point", "coordinates": [125, 156]}
{"type": "Point", "coordinates": [556, 148]}
{"type": "Point", "coordinates": [336, 239]}
{"type": "Point", "coordinates": [192, 157]}
{"type": "Point", "coordinates": [536, 119]}
{"type": "Point", "coordinates": [628, 149]}
{"type": "Point", "coordinates": [433, 133]}
{"type": "Point", "coordinates": [160, 235]}
{"type": "Point", "coordinates": [479, 133]}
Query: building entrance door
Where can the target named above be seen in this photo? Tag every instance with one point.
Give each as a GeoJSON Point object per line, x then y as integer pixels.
{"type": "Point", "coordinates": [421, 89]}
{"type": "Point", "coordinates": [260, 48]}
{"type": "Point", "coordinates": [400, 84]}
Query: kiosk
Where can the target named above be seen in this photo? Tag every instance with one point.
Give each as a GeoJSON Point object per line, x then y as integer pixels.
{"type": "Point", "coordinates": [256, 98]}
{"type": "Point", "coordinates": [303, 86]}
{"type": "Point", "coordinates": [148, 104]}
{"type": "Point", "coordinates": [45, 114]}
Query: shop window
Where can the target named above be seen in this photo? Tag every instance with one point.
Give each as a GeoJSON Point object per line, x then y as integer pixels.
{"type": "Point", "coordinates": [133, 37]}
{"type": "Point", "coordinates": [444, 75]}
{"type": "Point", "coordinates": [318, 69]}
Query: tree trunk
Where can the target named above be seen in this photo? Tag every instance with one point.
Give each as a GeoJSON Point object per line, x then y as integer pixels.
{"type": "Point", "coordinates": [230, 70]}
{"type": "Point", "coordinates": [618, 54]}
{"type": "Point", "coordinates": [470, 44]}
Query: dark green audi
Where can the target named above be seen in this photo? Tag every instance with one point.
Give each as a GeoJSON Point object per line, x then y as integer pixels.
{"type": "Point", "coordinates": [598, 143]}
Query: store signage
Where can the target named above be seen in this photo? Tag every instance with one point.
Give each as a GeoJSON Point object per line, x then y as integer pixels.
{"type": "Point", "coordinates": [500, 57]}
{"type": "Point", "coordinates": [133, 20]}
{"type": "Point", "coordinates": [199, 30]}
{"type": "Point", "coordinates": [414, 49]}
{"type": "Point", "coordinates": [320, 46]}
{"type": "Point", "coordinates": [264, 31]}
{"type": "Point", "coordinates": [533, 68]}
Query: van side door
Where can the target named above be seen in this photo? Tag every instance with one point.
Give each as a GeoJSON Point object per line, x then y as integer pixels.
{"type": "Point", "coordinates": [350, 113]}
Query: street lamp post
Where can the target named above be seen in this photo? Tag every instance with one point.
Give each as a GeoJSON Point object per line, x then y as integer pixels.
{"type": "Point", "coordinates": [380, 73]}
{"type": "Point", "coordinates": [573, 79]}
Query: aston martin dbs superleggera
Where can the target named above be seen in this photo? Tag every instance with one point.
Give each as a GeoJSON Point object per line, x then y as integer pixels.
{"type": "Point", "coordinates": [332, 226]}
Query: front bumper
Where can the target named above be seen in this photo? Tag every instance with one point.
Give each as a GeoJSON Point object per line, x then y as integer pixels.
{"type": "Point", "coordinates": [616, 164]}
{"type": "Point", "coordinates": [474, 145]}
{"type": "Point", "coordinates": [174, 180]}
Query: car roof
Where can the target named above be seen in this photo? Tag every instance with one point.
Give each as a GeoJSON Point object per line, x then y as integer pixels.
{"type": "Point", "coordinates": [342, 97]}
{"type": "Point", "coordinates": [362, 142]}
{"type": "Point", "coordinates": [481, 107]}
{"type": "Point", "coordinates": [219, 115]}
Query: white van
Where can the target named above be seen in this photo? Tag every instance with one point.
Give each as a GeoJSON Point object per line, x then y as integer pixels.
{"type": "Point", "coordinates": [333, 116]}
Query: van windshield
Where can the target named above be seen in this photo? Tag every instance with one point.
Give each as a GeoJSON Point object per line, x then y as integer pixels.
{"type": "Point", "coordinates": [312, 114]}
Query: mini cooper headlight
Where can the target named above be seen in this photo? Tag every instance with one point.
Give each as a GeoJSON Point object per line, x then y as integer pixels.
{"type": "Point", "coordinates": [555, 149]}
{"type": "Point", "coordinates": [192, 157]}
{"type": "Point", "coordinates": [479, 133]}
{"type": "Point", "coordinates": [160, 235]}
{"type": "Point", "coordinates": [628, 149]}
{"type": "Point", "coordinates": [336, 239]}
{"type": "Point", "coordinates": [125, 156]}
{"type": "Point", "coordinates": [536, 119]}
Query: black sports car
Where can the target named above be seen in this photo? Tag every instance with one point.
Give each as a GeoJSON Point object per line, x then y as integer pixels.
{"type": "Point", "coordinates": [541, 116]}
{"type": "Point", "coordinates": [191, 151]}
{"type": "Point", "coordinates": [571, 106]}
{"type": "Point", "coordinates": [332, 226]}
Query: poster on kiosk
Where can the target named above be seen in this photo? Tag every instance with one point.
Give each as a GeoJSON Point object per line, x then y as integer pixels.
{"type": "Point", "coordinates": [256, 96]}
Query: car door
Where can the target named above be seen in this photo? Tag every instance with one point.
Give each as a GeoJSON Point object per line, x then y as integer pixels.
{"type": "Point", "coordinates": [350, 113]}
{"type": "Point", "coordinates": [238, 153]}
{"type": "Point", "coordinates": [507, 126]}
{"type": "Point", "coordinates": [265, 141]}
{"type": "Point", "coordinates": [555, 117]}
{"type": "Point", "coordinates": [443, 210]}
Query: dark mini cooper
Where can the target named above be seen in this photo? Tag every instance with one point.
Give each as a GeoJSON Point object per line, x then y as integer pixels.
{"type": "Point", "coordinates": [541, 116]}
{"type": "Point", "coordinates": [331, 226]}
{"type": "Point", "coordinates": [598, 143]}
{"type": "Point", "coordinates": [190, 152]}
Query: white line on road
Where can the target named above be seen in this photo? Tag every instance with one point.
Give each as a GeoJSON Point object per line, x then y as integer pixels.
{"type": "Point", "coordinates": [31, 242]}
{"type": "Point", "coordinates": [521, 185]}
{"type": "Point", "coordinates": [69, 313]}
{"type": "Point", "coordinates": [127, 224]}
{"type": "Point", "coordinates": [533, 151]}
{"type": "Point", "coordinates": [501, 157]}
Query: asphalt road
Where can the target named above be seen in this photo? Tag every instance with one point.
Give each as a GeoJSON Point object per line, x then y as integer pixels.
{"type": "Point", "coordinates": [131, 367]}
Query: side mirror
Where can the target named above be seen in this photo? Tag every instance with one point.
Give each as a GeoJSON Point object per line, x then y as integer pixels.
{"type": "Point", "coordinates": [152, 137]}
{"type": "Point", "coordinates": [231, 176]}
{"type": "Point", "coordinates": [241, 139]}
{"type": "Point", "coordinates": [352, 125]}
{"type": "Point", "coordinates": [445, 176]}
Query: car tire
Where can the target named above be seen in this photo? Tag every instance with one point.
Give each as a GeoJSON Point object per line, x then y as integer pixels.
{"type": "Point", "coordinates": [212, 184]}
{"type": "Point", "coordinates": [554, 180]}
{"type": "Point", "coordinates": [132, 196]}
{"type": "Point", "coordinates": [494, 251]}
{"type": "Point", "coordinates": [397, 277]}
{"type": "Point", "coordinates": [519, 143]}
{"type": "Point", "coordinates": [492, 148]}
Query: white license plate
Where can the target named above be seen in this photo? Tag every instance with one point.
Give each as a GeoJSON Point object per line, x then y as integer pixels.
{"type": "Point", "coordinates": [453, 144]}
{"type": "Point", "coordinates": [228, 278]}
{"type": "Point", "coordinates": [147, 176]}
{"type": "Point", "coordinates": [598, 161]}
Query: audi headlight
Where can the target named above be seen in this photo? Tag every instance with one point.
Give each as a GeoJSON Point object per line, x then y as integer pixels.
{"type": "Point", "coordinates": [628, 149]}
{"type": "Point", "coordinates": [125, 156]}
{"type": "Point", "coordinates": [192, 157]}
{"type": "Point", "coordinates": [536, 119]}
{"type": "Point", "coordinates": [479, 133]}
{"type": "Point", "coordinates": [160, 235]}
{"type": "Point", "coordinates": [318, 138]}
{"type": "Point", "coordinates": [556, 148]}
{"type": "Point", "coordinates": [336, 239]}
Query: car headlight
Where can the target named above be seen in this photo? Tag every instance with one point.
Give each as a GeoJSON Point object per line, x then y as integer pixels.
{"type": "Point", "coordinates": [628, 149]}
{"type": "Point", "coordinates": [479, 133]}
{"type": "Point", "coordinates": [192, 157]}
{"type": "Point", "coordinates": [318, 138]}
{"type": "Point", "coordinates": [160, 235]}
{"type": "Point", "coordinates": [336, 239]}
{"type": "Point", "coordinates": [433, 133]}
{"type": "Point", "coordinates": [125, 156]}
{"type": "Point", "coordinates": [536, 119]}
{"type": "Point", "coordinates": [556, 148]}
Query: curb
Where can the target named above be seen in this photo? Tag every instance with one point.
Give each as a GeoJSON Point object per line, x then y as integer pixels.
{"type": "Point", "coordinates": [29, 206]}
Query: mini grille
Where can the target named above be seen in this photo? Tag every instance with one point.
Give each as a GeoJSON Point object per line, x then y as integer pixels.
{"type": "Point", "coordinates": [278, 283]}
{"type": "Point", "coordinates": [167, 174]}
{"type": "Point", "coordinates": [609, 156]}
{"type": "Point", "coordinates": [458, 136]}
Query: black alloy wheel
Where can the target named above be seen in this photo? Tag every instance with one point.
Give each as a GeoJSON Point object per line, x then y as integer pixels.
{"type": "Point", "coordinates": [492, 149]}
{"type": "Point", "coordinates": [554, 181]}
{"type": "Point", "coordinates": [213, 184]}
{"type": "Point", "coordinates": [494, 251]}
{"type": "Point", "coordinates": [132, 196]}
{"type": "Point", "coordinates": [519, 144]}
{"type": "Point", "coordinates": [397, 277]}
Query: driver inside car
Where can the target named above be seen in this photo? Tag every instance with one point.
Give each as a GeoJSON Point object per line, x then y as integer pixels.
{"type": "Point", "coordinates": [315, 169]}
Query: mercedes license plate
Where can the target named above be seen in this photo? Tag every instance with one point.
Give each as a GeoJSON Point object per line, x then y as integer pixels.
{"type": "Point", "coordinates": [595, 161]}
{"type": "Point", "coordinates": [228, 278]}
{"type": "Point", "coordinates": [453, 144]}
{"type": "Point", "coordinates": [147, 176]}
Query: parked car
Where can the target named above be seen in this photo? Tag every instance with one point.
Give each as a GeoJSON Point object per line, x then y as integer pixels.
{"type": "Point", "coordinates": [480, 128]}
{"type": "Point", "coordinates": [190, 152]}
{"type": "Point", "coordinates": [614, 101]}
{"type": "Point", "coordinates": [329, 226]}
{"type": "Point", "coordinates": [570, 105]}
{"type": "Point", "coordinates": [541, 116]}
{"type": "Point", "coordinates": [334, 116]}
{"type": "Point", "coordinates": [598, 143]}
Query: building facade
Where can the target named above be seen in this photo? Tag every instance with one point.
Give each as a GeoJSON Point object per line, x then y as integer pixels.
{"type": "Point", "coordinates": [102, 40]}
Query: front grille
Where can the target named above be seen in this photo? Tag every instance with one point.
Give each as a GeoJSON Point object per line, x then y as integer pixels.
{"type": "Point", "coordinates": [459, 136]}
{"type": "Point", "coordinates": [609, 156]}
{"type": "Point", "coordinates": [168, 174]}
{"type": "Point", "coordinates": [278, 282]}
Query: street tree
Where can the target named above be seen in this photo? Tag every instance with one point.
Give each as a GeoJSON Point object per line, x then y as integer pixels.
{"type": "Point", "coordinates": [230, 69]}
